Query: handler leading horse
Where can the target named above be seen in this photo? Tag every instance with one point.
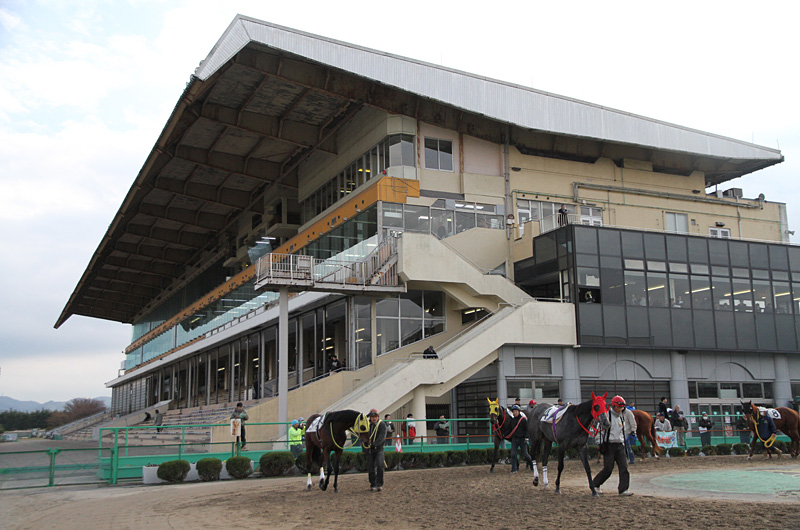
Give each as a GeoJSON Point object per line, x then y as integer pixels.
{"type": "Point", "coordinates": [572, 430]}
{"type": "Point", "coordinates": [331, 435]}
{"type": "Point", "coordinates": [788, 424]}
{"type": "Point", "coordinates": [503, 427]}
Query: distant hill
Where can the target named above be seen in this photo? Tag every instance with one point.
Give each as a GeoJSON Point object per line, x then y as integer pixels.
{"type": "Point", "coordinates": [9, 403]}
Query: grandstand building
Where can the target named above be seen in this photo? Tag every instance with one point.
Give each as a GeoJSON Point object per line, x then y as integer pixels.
{"type": "Point", "coordinates": [398, 205]}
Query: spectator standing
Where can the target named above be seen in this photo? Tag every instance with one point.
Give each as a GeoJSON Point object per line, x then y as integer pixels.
{"type": "Point", "coordinates": [612, 445]}
{"type": "Point", "coordinates": [296, 432]}
{"type": "Point", "coordinates": [410, 429]}
{"type": "Point", "coordinates": [374, 451]}
{"type": "Point", "coordinates": [704, 426]}
{"type": "Point", "coordinates": [563, 219]}
{"type": "Point", "coordinates": [334, 365]}
{"type": "Point", "coordinates": [240, 414]}
{"type": "Point", "coordinates": [519, 430]}
{"type": "Point", "coordinates": [159, 420]}
{"type": "Point", "coordinates": [744, 430]}
{"type": "Point", "coordinates": [442, 428]}
{"type": "Point", "coordinates": [662, 424]}
{"type": "Point", "coordinates": [663, 406]}
{"type": "Point", "coordinates": [389, 428]}
{"type": "Point", "coordinates": [678, 421]}
{"type": "Point", "coordinates": [430, 353]}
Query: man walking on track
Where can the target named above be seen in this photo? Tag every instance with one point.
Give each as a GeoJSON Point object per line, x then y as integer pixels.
{"type": "Point", "coordinates": [374, 451]}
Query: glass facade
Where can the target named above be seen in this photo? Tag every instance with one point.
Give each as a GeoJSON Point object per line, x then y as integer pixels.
{"type": "Point", "coordinates": [644, 289]}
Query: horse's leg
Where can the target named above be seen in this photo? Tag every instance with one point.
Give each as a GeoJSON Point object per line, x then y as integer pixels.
{"type": "Point", "coordinates": [326, 462]}
{"type": "Point", "coordinates": [535, 445]}
{"type": "Point", "coordinates": [561, 451]}
{"type": "Point", "coordinates": [336, 472]}
{"type": "Point", "coordinates": [309, 454]}
{"type": "Point", "coordinates": [752, 447]}
{"type": "Point", "coordinates": [548, 446]}
{"type": "Point", "coordinates": [584, 452]}
{"type": "Point", "coordinates": [642, 438]}
{"type": "Point", "coordinates": [494, 456]}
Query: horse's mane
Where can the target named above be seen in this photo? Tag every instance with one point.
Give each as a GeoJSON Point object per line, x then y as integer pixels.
{"type": "Point", "coordinates": [347, 416]}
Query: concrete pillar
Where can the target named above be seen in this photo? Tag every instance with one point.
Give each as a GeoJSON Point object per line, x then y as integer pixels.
{"type": "Point", "coordinates": [418, 409]}
{"type": "Point", "coordinates": [783, 386]}
{"type": "Point", "coordinates": [571, 380]}
{"type": "Point", "coordinates": [283, 359]}
{"type": "Point", "coordinates": [678, 383]}
{"type": "Point", "coordinates": [502, 386]}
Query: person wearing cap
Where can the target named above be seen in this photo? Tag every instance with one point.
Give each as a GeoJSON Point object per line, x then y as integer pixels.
{"type": "Point", "coordinates": [704, 426]}
{"type": "Point", "coordinates": [519, 430]}
{"type": "Point", "coordinates": [518, 403]}
{"type": "Point", "coordinates": [612, 445]}
{"type": "Point", "coordinates": [662, 424]}
{"type": "Point", "coordinates": [374, 451]}
{"type": "Point", "coordinates": [296, 432]}
{"type": "Point", "coordinates": [240, 414]}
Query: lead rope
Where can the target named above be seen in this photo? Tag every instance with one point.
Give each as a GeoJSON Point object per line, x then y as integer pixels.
{"type": "Point", "coordinates": [769, 441]}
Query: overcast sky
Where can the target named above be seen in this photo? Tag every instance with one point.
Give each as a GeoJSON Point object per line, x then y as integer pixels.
{"type": "Point", "coordinates": [87, 86]}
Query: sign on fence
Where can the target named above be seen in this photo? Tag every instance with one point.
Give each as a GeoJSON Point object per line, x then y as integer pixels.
{"type": "Point", "coordinates": [666, 439]}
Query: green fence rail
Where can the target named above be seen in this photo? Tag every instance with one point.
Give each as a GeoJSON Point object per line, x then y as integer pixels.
{"type": "Point", "coordinates": [52, 467]}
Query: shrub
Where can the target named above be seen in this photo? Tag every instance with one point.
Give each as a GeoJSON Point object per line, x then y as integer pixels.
{"type": "Point", "coordinates": [780, 444]}
{"type": "Point", "coordinates": [173, 471]}
{"type": "Point", "coordinates": [238, 467]}
{"type": "Point", "coordinates": [593, 451]}
{"type": "Point", "coordinates": [359, 462]}
{"type": "Point", "coordinates": [275, 464]}
{"type": "Point", "coordinates": [392, 460]}
{"type": "Point", "coordinates": [477, 456]}
{"type": "Point", "coordinates": [572, 453]}
{"type": "Point", "coordinates": [741, 448]}
{"type": "Point", "coordinates": [437, 459]}
{"type": "Point", "coordinates": [413, 460]}
{"type": "Point", "coordinates": [723, 449]}
{"type": "Point", "coordinates": [456, 458]}
{"type": "Point", "coordinates": [676, 451]}
{"type": "Point", "coordinates": [209, 469]}
{"type": "Point", "coordinates": [708, 450]}
{"type": "Point", "coordinates": [693, 451]}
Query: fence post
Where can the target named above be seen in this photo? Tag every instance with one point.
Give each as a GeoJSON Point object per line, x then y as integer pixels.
{"type": "Point", "coordinates": [115, 457]}
{"type": "Point", "coordinates": [467, 440]}
{"type": "Point", "coordinates": [52, 454]}
{"type": "Point", "coordinates": [180, 445]}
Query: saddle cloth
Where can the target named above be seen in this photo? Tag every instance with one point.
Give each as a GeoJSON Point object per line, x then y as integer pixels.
{"type": "Point", "coordinates": [315, 425]}
{"type": "Point", "coordinates": [774, 414]}
{"type": "Point", "coordinates": [553, 413]}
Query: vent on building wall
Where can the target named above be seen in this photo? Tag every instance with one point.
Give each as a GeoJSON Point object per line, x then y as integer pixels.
{"type": "Point", "coordinates": [532, 365]}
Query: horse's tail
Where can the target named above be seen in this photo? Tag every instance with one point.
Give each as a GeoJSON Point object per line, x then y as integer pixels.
{"type": "Point", "coordinates": [653, 439]}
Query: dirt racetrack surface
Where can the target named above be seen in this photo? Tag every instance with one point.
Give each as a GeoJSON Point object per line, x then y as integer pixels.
{"type": "Point", "coordinates": [461, 497]}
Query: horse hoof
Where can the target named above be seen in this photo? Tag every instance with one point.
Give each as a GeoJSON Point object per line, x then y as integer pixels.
{"type": "Point", "coordinates": [336, 490]}
{"type": "Point", "coordinates": [491, 470]}
{"type": "Point", "coordinates": [547, 486]}
{"type": "Point", "coordinates": [536, 481]}
{"type": "Point", "coordinates": [557, 492]}
{"type": "Point", "coordinates": [595, 494]}
{"type": "Point", "coordinates": [308, 488]}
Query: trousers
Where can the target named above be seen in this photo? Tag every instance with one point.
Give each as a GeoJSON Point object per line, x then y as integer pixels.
{"type": "Point", "coordinates": [375, 467]}
{"type": "Point", "coordinates": [519, 443]}
{"type": "Point", "coordinates": [615, 453]}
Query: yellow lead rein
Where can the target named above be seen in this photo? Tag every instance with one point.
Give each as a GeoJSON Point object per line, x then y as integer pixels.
{"type": "Point", "coordinates": [768, 442]}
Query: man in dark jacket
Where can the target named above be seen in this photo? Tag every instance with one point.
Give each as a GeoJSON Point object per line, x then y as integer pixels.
{"type": "Point", "coordinates": [519, 430]}
{"type": "Point", "coordinates": [663, 407]}
{"type": "Point", "coordinates": [704, 426]}
{"type": "Point", "coordinates": [766, 428]}
{"type": "Point", "coordinates": [374, 451]}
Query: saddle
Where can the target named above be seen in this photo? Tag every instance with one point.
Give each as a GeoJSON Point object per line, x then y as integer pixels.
{"type": "Point", "coordinates": [315, 425]}
{"type": "Point", "coordinates": [553, 414]}
{"type": "Point", "coordinates": [772, 413]}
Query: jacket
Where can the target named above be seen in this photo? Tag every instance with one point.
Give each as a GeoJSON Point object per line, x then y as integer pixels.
{"type": "Point", "coordinates": [442, 428]}
{"type": "Point", "coordinates": [620, 427]}
{"type": "Point", "coordinates": [236, 415]}
{"type": "Point", "coordinates": [662, 426]}
{"type": "Point", "coordinates": [766, 427]}
{"type": "Point", "coordinates": [705, 423]}
{"type": "Point", "coordinates": [377, 436]}
{"type": "Point", "coordinates": [519, 427]}
{"type": "Point", "coordinates": [296, 435]}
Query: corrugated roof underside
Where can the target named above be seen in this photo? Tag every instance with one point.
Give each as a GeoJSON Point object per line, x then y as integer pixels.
{"type": "Point", "coordinates": [495, 99]}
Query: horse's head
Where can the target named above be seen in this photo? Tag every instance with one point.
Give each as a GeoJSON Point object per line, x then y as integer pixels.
{"type": "Point", "coordinates": [494, 409]}
{"type": "Point", "coordinates": [361, 429]}
{"type": "Point", "coordinates": [599, 410]}
{"type": "Point", "coordinates": [749, 410]}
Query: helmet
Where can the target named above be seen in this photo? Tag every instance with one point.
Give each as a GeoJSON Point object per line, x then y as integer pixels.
{"type": "Point", "coordinates": [294, 422]}
{"type": "Point", "coordinates": [373, 412]}
{"type": "Point", "coordinates": [301, 419]}
{"type": "Point", "coordinates": [515, 407]}
{"type": "Point", "coordinates": [618, 400]}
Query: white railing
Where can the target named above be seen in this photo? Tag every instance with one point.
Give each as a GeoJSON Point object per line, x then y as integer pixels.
{"type": "Point", "coordinates": [551, 222]}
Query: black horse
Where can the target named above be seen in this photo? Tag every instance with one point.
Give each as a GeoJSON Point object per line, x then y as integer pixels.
{"type": "Point", "coordinates": [501, 427]}
{"type": "Point", "coordinates": [572, 430]}
{"type": "Point", "coordinates": [331, 435]}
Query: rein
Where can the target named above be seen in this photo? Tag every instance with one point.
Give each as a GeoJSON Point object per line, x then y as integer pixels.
{"type": "Point", "coordinates": [498, 429]}
{"type": "Point", "coordinates": [591, 431]}
{"type": "Point", "coordinates": [769, 441]}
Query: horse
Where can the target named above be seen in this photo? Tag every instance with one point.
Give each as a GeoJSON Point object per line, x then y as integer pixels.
{"type": "Point", "coordinates": [573, 430]}
{"type": "Point", "coordinates": [789, 424]}
{"type": "Point", "coordinates": [646, 429]}
{"type": "Point", "coordinates": [501, 426]}
{"type": "Point", "coordinates": [331, 436]}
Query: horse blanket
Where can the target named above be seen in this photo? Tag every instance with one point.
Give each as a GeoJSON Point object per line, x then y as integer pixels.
{"type": "Point", "coordinates": [774, 414]}
{"type": "Point", "coordinates": [553, 414]}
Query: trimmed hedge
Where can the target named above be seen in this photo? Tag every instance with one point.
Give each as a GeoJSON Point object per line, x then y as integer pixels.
{"type": "Point", "coordinates": [723, 449]}
{"type": "Point", "coordinates": [238, 467]}
{"type": "Point", "coordinates": [478, 456]}
{"type": "Point", "coordinates": [593, 451]}
{"type": "Point", "coordinates": [173, 471]}
{"type": "Point", "coordinates": [209, 469]}
{"type": "Point", "coordinates": [741, 448]}
{"type": "Point", "coordinates": [709, 450]}
{"type": "Point", "coordinates": [392, 460]}
{"type": "Point", "coordinates": [693, 451]}
{"type": "Point", "coordinates": [780, 444]}
{"type": "Point", "coordinates": [275, 464]}
{"type": "Point", "coordinates": [676, 451]}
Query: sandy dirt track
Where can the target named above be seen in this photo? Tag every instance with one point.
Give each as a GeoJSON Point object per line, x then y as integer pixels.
{"type": "Point", "coordinates": [462, 497]}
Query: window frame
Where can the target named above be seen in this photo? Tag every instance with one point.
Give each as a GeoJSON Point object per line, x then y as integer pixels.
{"type": "Point", "coordinates": [439, 142]}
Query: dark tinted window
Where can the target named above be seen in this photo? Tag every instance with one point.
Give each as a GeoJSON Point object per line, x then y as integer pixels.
{"type": "Point", "coordinates": [654, 247]}
{"type": "Point", "coordinates": [765, 332]}
{"type": "Point", "coordinates": [745, 331]}
{"type": "Point", "coordinates": [739, 254]}
{"type": "Point", "coordinates": [682, 332]}
{"type": "Point", "coordinates": [613, 286]}
{"type": "Point", "coordinates": [759, 256]}
{"type": "Point", "coordinates": [609, 242]}
{"type": "Point", "coordinates": [698, 250]}
{"type": "Point", "coordinates": [704, 329]}
{"type": "Point", "coordinates": [632, 245]}
{"type": "Point", "coordinates": [614, 325]}
{"type": "Point", "coordinates": [726, 333]}
{"type": "Point", "coordinates": [718, 251]}
{"type": "Point", "coordinates": [591, 322]}
{"type": "Point", "coordinates": [676, 248]}
{"type": "Point", "coordinates": [585, 240]}
{"type": "Point", "coordinates": [638, 327]}
{"type": "Point", "coordinates": [777, 258]}
{"type": "Point", "coordinates": [784, 325]}
{"type": "Point", "coordinates": [660, 326]}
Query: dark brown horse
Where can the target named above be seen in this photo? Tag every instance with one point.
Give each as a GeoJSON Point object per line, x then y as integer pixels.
{"type": "Point", "coordinates": [501, 428]}
{"type": "Point", "coordinates": [646, 430]}
{"type": "Point", "coordinates": [331, 435]}
{"type": "Point", "coordinates": [788, 424]}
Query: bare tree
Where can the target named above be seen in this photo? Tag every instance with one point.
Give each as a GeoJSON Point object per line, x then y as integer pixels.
{"type": "Point", "coordinates": [78, 408]}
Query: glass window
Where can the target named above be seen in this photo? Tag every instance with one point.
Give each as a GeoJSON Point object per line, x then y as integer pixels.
{"type": "Point", "coordinates": [752, 390]}
{"type": "Point", "coordinates": [699, 269]}
{"type": "Point", "coordinates": [387, 307]}
{"type": "Point", "coordinates": [401, 150]}
{"type": "Point", "coordinates": [777, 258]}
{"type": "Point", "coordinates": [438, 154]}
{"type": "Point", "coordinates": [676, 222]}
{"type": "Point", "coordinates": [679, 291]}
{"type": "Point", "coordinates": [609, 242]}
{"type": "Point", "coordinates": [654, 247]}
{"type": "Point", "coordinates": [411, 304]}
{"type": "Point", "coordinates": [634, 264]}
{"type": "Point", "coordinates": [707, 390]}
{"type": "Point", "coordinates": [635, 289]}
{"type": "Point", "coordinates": [783, 297]}
{"type": "Point", "coordinates": [762, 297]}
{"type": "Point", "coordinates": [698, 250]}
{"type": "Point", "coordinates": [434, 304]}
{"type": "Point", "coordinates": [742, 295]}
{"type": "Point", "coordinates": [718, 252]}
{"type": "Point", "coordinates": [720, 233]}
{"type": "Point", "coordinates": [739, 254]}
{"type": "Point", "coordinates": [442, 225]}
{"type": "Point", "coordinates": [676, 248]}
{"type": "Point", "coordinates": [632, 246]}
{"type": "Point", "coordinates": [657, 290]}
{"type": "Point", "coordinates": [392, 216]}
{"type": "Point", "coordinates": [417, 218]}
{"type": "Point", "coordinates": [613, 291]}
{"type": "Point", "coordinates": [721, 291]}
{"type": "Point", "coordinates": [464, 221]}
{"type": "Point", "coordinates": [411, 331]}
{"type": "Point", "coordinates": [701, 292]}
{"type": "Point", "coordinates": [586, 240]}
{"type": "Point", "coordinates": [388, 334]}
{"type": "Point", "coordinates": [588, 277]}
{"type": "Point", "coordinates": [759, 256]}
